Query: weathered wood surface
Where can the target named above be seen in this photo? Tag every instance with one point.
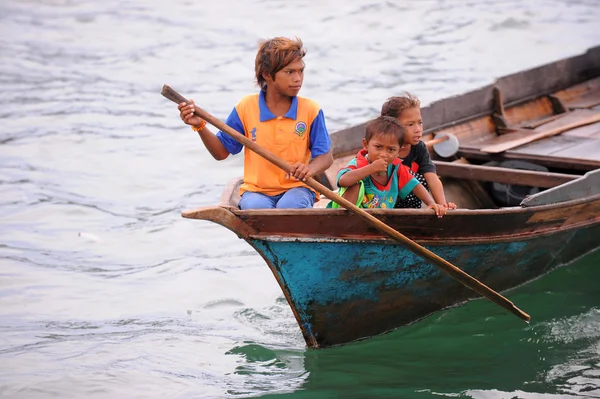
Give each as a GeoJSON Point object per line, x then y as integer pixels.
{"type": "Point", "coordinates": [461, 225]}
{"type": "Point", "coordinates": [343, 290]}
{"type": "Point", "coordinates": [525, 153]}
{"type": "Point", "coordinates": [585, 186]}
{"type": "Point", "coordinates": [318, 256]}
{"type": "Point", "coordinates": [441, 114]}
{"type": "Point", "coordinates": [323, 259]}
{"type": "Point", "coordinates": [567, 122]}
{"type": "Point", "coordinates": [502, 175]}
{"type": "Point", "coordinates": [592, 130]}
{"type": "Point", "coordinates": [582, 95]}
{"type": "Point", "coordinates": [536, 122]}
{"type": "Point", "coordinates": [577, 149]}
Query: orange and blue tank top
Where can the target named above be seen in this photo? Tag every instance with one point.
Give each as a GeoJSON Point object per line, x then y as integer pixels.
{"type": "Point", "coordinates": [297, 136]}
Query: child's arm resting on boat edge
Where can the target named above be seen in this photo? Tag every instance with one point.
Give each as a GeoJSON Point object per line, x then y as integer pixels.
{"type": "Point", "coordinates": [353, 176]}
{"type": "Point", "coordinates": [437, 190]}
{"type": "Point", "coordinates": [422, 193]}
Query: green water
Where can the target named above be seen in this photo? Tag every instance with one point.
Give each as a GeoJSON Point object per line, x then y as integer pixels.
{"type": "Point", "coordinates": [477, 350]}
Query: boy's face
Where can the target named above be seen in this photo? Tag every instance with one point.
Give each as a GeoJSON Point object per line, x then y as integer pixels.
{"type": "Point", "coordinates": [382, 146]}
{"type": "Point", "coordinates": [410, 118]}
{"type": "Point", "coordinates": [288, 81]}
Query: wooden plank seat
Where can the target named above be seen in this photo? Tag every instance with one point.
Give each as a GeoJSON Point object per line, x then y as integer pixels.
{"type": "Point", "coordinates": [567, 121]}
{"type": "Point", "coordinates": [578, 148]}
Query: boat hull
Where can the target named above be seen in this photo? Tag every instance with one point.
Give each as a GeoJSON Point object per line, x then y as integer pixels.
{"type": "Point", "coordinates": [343, 290]}
{"type": "Point", "coordinates": [531, 138]}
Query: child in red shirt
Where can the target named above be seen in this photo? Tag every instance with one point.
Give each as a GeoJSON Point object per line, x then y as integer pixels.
{"type": "Point", "coordinates": [414, 152]}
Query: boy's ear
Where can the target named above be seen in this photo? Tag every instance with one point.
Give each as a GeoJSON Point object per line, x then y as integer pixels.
{"type": "Point", "coordinates": [365, 143]}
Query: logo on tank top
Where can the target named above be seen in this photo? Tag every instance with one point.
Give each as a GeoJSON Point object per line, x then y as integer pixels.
{"type": "Point", "coordinates": [253, 134]}
{"type": "Point", "coordinates": [300, 129]}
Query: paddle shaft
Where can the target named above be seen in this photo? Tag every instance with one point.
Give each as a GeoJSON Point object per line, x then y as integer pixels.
{"type": "Point", "coordinates": [441, 263]}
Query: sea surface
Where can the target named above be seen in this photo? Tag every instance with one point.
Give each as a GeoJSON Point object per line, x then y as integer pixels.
{"type": "Point", "coordinates": [106, 292]}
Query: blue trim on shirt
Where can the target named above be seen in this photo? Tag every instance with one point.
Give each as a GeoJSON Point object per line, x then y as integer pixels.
{"type": "Point", "coordinates": [231, 144]}
{"type": "Point", "coordinates": [267, 115]}
{"type": "Point", "coordinates": [408, 188]}
{"type": "Point", "coordinates": [320, 143]}
{"type": "Point", "coordinates": [345, 170]}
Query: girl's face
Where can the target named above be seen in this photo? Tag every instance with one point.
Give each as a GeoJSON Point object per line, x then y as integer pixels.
{"type": "Point", "coordinates": [410, 118]}
{"type": "Point", "coordinates": [382, 147]}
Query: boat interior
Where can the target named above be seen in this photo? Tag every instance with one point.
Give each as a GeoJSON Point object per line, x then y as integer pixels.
{"type": "Point", "coordinates": [516, 150]}
{"type": "Point", "coordinates": [516, 140]}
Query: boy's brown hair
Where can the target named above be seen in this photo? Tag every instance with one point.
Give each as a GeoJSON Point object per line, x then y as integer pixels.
{"type": "Point", "coordinates": [275, 54]}
{"type": "Point", "coordinates": [395, 105]}
{"type": "Point", "coordinates": [383, 126]}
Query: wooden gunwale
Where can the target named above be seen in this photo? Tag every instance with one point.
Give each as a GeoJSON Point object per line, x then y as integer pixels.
{"type": "Point", "coordinates": [236, 221]}
{"type": "Point", "coordinates": [466, 241]}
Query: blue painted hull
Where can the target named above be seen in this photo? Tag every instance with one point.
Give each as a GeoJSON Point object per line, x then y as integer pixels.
{"type": "Point", "coordinates": [342, 290]}
{"type": "Point", "coordinates": [345, 279]}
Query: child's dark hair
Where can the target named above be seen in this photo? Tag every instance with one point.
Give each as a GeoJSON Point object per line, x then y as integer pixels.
{"type": "Point", "coordinates": [383, 126]}
{"type": "Point", "coordinates": [275, 54]}
{"type": "Point", "coordinates": [395, 105]}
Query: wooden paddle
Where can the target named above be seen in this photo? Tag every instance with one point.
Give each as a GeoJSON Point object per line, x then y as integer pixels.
{"type": "Point", "coordinates": [441, 263]}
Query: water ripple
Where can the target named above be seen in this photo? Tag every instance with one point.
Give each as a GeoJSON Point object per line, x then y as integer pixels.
{"type": "Point", "coordinates": [105, 291]}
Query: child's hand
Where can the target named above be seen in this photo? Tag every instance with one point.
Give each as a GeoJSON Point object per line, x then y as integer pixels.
{"type": "Point", "coordinates": [440, 210]}
{"type": "Point", "coordinates": [186, 113]}
{"type": "Point", "coordinates": [300, 171]}
{"type": "Point", "coordinates": [450, 205]}
{"type": "Point", "coordinates": [379, 166]}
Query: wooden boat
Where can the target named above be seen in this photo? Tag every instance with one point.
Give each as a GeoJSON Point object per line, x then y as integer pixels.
{"type": "Point", "coordinates": [527, 182]}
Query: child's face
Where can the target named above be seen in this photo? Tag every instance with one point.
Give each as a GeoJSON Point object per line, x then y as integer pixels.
{"type": "Point", "coordinates": [410, 118]}
{"type": "Point", "coordinates": [382, 147]}
{"type": "Point", "coordinates": [289, 80]}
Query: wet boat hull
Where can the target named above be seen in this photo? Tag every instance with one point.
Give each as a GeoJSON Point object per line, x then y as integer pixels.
{"type": "Point", "coordinates": [344, 290]}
